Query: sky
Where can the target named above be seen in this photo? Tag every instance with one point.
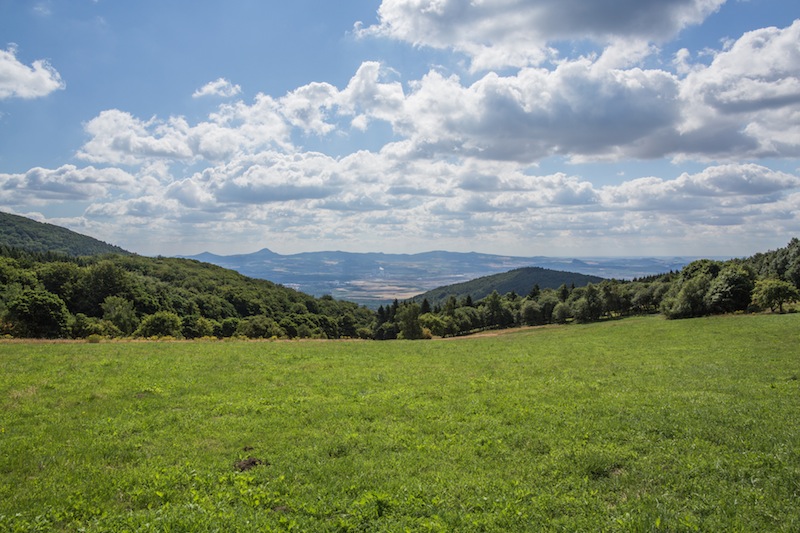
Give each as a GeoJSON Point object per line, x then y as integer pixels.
{"type": "Point", "coordinates": [566, 128]}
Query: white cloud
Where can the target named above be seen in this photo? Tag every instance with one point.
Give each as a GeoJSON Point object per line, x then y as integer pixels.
{"type": "Point", "coordinates": [716, 189]}
{"type": "Point", "coordinates": [578, 110]}
{"type": "Point", "coordinates": [459, 166]}
{"type": "Point", "coordinates": [40, 185]}
{"type": "Point", "coordinates": [219, 87]}
{"type": "Point", "coordinates": [117, 137]}
{"type": "Point", "coordinates": [518, 32]}
{"type": "Point", "coordinates": [18, 80]}
{"type": "Point", "coordinates": [752, 91]}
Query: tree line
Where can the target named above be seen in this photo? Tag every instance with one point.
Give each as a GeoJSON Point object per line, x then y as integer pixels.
{"type": "Point", "coordinates": [49, 295]}
{"type": "Point", "coordinates": [704, 287]}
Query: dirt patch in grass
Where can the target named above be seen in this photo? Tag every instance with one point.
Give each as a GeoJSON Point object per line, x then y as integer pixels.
{"type": "Point", "coordinates": [248, 464]}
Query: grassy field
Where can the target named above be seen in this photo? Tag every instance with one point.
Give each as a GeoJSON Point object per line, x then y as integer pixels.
{"type": "Point", "coordinates": [634, 425]}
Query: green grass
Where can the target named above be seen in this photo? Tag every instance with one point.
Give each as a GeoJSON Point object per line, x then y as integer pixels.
{"type": "Point", "coordinates": [633, 425]}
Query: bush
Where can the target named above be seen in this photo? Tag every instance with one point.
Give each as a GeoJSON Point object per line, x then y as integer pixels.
{"type": "Point", "coordinates": [37, 313]}
{"type": "Point", "coordinates": [259, 327]}
{"type": "Point", "coordinates": [561, 313]}
{"type": "Point", "coordinates": [160, 324]}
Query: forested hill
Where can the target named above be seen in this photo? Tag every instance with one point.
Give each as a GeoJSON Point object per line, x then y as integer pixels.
{"type": "Point", "coordinates": [57, 283]}
{"type": "Point", "coordinates": [25, 234]}
{"type": "Point", "coordinates": [519, 281]}
{"type": "Point", "coordinates": [128, 295]}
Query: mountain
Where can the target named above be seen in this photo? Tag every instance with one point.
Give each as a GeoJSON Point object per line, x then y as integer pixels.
{"type": "Point", "coordinates": [520, 281]}
{"type": "Point", "coordinates": [26, 234]}
{"type": "Point", "coordinates": [375, 279]}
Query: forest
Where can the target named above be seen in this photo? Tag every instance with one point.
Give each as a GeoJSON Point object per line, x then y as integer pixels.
{"type": "Point", "coordinates": [71, 286]}
{"type": "Point", "coordinates": [765, 281]}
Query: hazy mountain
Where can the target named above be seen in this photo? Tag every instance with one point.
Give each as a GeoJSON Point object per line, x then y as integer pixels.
{"type": "Point", "coordinates": [377, 278]}
{"type": "Point", "coordinates": [30, 235]}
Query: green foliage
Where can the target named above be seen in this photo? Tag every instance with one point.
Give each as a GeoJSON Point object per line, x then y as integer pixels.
{"type": "Point", "coordinates": [408, 318]}
{"type": "Point", "coordinates": [518, 281]}
{"type": "Point", "coordinates": [731, 290]}
{"type": "Point", "coordinates": [531, 313]}
{"type": "Point", "coordinates": [579, 428]}
{"type": "Point", "coordinates": [26, 234]}
{"type": "Point", "coordinates": [38, 313]}
{"type": "Point", "coordinates": [122, 290]}
{"type": "Point", "coordinates": [121, 313]}
{"type": "Point", "coordinates": [260, 327]}
{"type": "Point", "coordinates": [773, 293]}
{"type": "Point", "coordinates": [562, 313]}
{"type": "Point", "coordinates": [160, 324]}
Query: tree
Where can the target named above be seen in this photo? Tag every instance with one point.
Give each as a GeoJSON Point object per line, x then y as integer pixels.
{"type": "Point", "coordinates": [589, 306]}
{"type": "Point", "coordinates": [535, 292]}
{"type": "Point", "coordinates": [563, 292]}
{"type": "Point", "coordinates": [731, 290]}
{"type": "Point", "coordinates": [437, 325]}
{"type": "Point", "coordinates": [493, 310]}
{"type": "Point", "coordinates": [99, 282]}
{"type": "Point", "coordinates": [59, 278]}
{"type": "Point", "coordinates": [228, 327]}
{"type": "Point", "coordinates": [408, 318]}
{"type": "Point", "coordinates": [532, 313]}
{"type": "Point", "coordinates": [38, 313]}
{"type": "Point", "coordinates": [548, 301]}
{"type": "Point", "coordinates": [774, 293]}
{"type": "Point", "coordinates": [121, 313]}
{"type": "Point", "coordinates": [160, 324]}
{"type": "Point", "coordinates": [690, 298]}
{"type": "Point", "coordinates": [561, 313]}
{"type": "Point", "coordinates": [425, 307]}
{"type": "Point", "coordinates": [196, 326]}
{"type": "Point", "coordinates": [263, 327]}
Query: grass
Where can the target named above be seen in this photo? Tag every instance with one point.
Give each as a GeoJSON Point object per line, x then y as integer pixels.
{"type": "Point", "coordinates": [634, 425]}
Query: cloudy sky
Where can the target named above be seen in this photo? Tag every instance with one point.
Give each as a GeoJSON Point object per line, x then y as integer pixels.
{"type": "Point", "coordinates": [521, 127]}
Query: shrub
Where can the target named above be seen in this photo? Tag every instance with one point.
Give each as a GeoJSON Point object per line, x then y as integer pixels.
{"type": "Point", "coordinates": [38, 313]}
{"type": "Point", "coordinates": [160, 324]}
{"type": "Point", "coordinates": [561, 313]}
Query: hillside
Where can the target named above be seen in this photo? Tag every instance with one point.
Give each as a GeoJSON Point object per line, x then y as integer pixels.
{"type": "Point", "coordinates": [519, 281]}
{"type": "Point", "coordinates": [375, 279]}
{"type": "Point", "coordinates": [57, 283]}
{"type": "Point", "coordinates": [26, 234]}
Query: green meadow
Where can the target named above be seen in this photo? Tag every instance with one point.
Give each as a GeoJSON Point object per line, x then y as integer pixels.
{"type": "Point", "coordinates": [640, 424]}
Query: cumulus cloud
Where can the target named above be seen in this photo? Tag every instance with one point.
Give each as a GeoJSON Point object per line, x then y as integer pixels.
{"type": "Point", "coordinates": [460, 164]}
{"type": "Point", "coordinates": [716, 188]}
{"type": "Point", "coordinates": [519, 32]}
{"type": "Point", "coordinates": [219, 87]}
{"type": "Point", "coordinates": [18, 80]}
{"type": "Point", "coordinates": [751, 88]}
{"type": "Point", "coordinates": [574, 110]}
{"type": "Point", "coordinates": [41, 185]}
{"type": "Point", "coordinates": [117, 137]}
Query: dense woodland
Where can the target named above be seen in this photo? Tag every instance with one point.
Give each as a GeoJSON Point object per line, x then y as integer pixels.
{"type": "Point", "coordinates": [52, 294]}
{"type": "Point", "coordinates": [765, 281]}
{"type": "Point", "coordinates": [518, 280]}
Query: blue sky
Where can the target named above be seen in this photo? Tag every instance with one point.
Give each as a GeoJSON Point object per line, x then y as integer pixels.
{"type": "Point", "coordinates": [548, 127]}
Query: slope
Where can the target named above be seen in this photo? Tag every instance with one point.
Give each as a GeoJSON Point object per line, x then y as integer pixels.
{"type": "Point", "coordinates": [38, 237]}
{"type": "Point", "coordinates": [520, 281]}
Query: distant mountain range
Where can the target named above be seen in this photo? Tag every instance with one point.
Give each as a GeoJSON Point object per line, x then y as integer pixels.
{"type": "Point", "coordinates": [371, 279]}
{"type": "Point", "coordinates": [375, 279]}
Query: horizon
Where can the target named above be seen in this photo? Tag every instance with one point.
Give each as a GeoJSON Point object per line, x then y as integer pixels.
{"type": "Point", "coordinates": [541, 128]}
{"type": "Point", "coordinates": [580, 258]}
